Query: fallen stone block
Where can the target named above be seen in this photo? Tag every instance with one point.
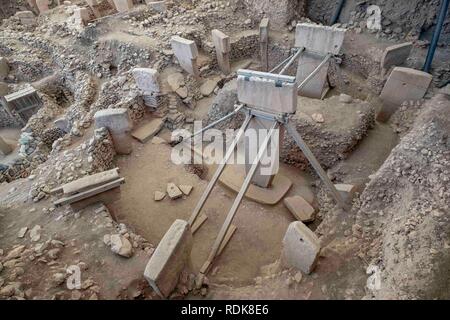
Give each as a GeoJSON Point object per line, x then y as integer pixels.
{"type": "Point", "coordinates": [395, 55]}
{"type": "Point", "coordinates": [119, 124]}
{"type": "Point", "coordinates": [121, 245]}
{"type": "Point", "coordinates": [159, 195]}
{"type": "Point", "coordinates": [403, 85]}
{"type": "Point", "coordinates": [146, 79]}
{"type": "Point", "coordinates": [347, 191]}
{"type": "Point", "coordinates": [300, 208]}
{"type": "Point", "coordinates": [301, 248]}
{"type": "Point", "coordinates": [208, 87]}
{"type": "Point", "coordinates": [169, 259]}
{"type": "Point", "coordinates": [173, 191]}
{"type": "Point", "coordinates": [147, 131]}
{"type": "Point", "coordinates": [186, 52]}
{"type": "Point", "coordinates": [186, 189]}
{"type": "Point", "coordinates": [27, 18]}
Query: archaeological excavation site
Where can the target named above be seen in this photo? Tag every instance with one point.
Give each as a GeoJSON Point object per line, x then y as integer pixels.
{"type": "Point", "coordinates": [203, 150]}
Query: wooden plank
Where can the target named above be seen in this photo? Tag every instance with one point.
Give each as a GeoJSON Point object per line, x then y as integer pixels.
{"type": "Point", "coordinates": [89, 193]}
{"type": "Point", "coordinates": [198, 223]}
{"type": "Point", "coordinates": [91, 181]}
{"type": "Point", "coordinates": [226, 239]}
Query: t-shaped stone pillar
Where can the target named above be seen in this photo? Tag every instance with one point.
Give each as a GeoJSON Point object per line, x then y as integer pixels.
{"type": "Point", "coordinates": [186, 52]}
{"type": "Point", "coordinates": [119, 124]}
{"type": "Point", "coordinates": [223, 48]}
{"type": "Point", "coordinates": [147, 81]}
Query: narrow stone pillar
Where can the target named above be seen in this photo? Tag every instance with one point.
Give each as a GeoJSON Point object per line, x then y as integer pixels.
{"type": "Point", "coordinates": [186, 52]}
{"type": "Point", "coordinates": [264, 43]}
{"type": "Point", "coordinates": [5, 148]}
{"type": "Point", "coordinates": [223, 48]}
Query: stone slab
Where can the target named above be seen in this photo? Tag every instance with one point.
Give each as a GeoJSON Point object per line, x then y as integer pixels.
{"type": "Point", "coordinates": [91, 181]}
{"type": "Point", "coordinates": [186, 52]}
{"type": "Point", "coordinates": [147, 131]}
{"type": "Point", "coordinates": [301, 248]}
{"type": "Point", "coordinates": [395, 55]}
{"type": "Point", "coordinates": [42, 5]}
{"type": "Point", "coordinates": [300, 208]}
{"type": "Point", "coordinates": [5, 148]}
{"type": "Point", "coordinates": [106, 197]}
{"type": "Point", "coordinates": [317, 87]}
{"type": "Point", "coordinates": [169, 259]}
{"type": "Point", "coordinates": [267, 94]}
{"type": "Point", "coordinates": [233, 178]}
{"type": "Point", "coordinates": [123, 5]}
{"type": "Point", "coordinates": [221, 41]}
{"type": "Point", "coordinates": [147, 79]}
{"type": "Point", "coordinates": [119, 124]}
{"type": "Point", "coordinates": [403, 85]}
{"type": "Point", "coordinates": [159, 6]}
{"type": "Point", "coordinates": [81, 15]}
{"type": "Point", "coordinates": [318, 38]}
{"type": "Point", "coordinates": [4, 68]}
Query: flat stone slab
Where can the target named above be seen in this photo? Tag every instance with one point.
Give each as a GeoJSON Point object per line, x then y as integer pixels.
{"type": "Point", "coordinates": [148, 131]}
{"type": "Point", "coordinates": [301, 248]}
{"type": "Point", "coordinates": [146, 79]}
{"type": "Point", "coordinates": [403, 86]}
{"type": "Point", "coordinates": [173, 191]}
{"type": "Point", "coordinates": [319, 38]}
{"type": "Point", "coordinates": [233, 178]}
{"type": "Point", "coordinates": [170, 257]}
{"type": "Point", "coordinates": [91, 181]}
{"type": "Point", "coordinates": [114, 119]}
{"type": "Point", "coordinates": [186, 52]}
{"type": "Point", "coordinates": [300, 208]}
{"type": "Point", "coordinates": [395, 55]}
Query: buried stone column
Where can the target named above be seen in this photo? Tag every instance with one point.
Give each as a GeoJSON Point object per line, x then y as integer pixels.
{"type": "Point", "coordinates": [119, 124]}
{"type": "Point", "coordinates": [223, 48]}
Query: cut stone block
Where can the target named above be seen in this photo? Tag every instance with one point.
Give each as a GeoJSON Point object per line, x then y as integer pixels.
{"type": "Point", "coordinates": [106, 197]}
{"type": "Point", "coordinates": [4, 68]}
{"type": "Point", "coordinates": [159, 6]}
{"type": "Point", "coordinates": [186, 52]}
{"type": "Point", "coordinates": [169, 259]}
{"type": "Point", "coordinates": [5, 148]}
{"type": "Point", "coordinates": [395, 55]}
{"type": "Point", "coordinates": [119, 124]}
{"type": "Point", "coordinates": [159, 195]}
{"type": "Point", "coordinates": [186, 189]}
{"type": "Point", "coordinates": [146, 79]}
{"type": "Point", "coordinates": [91, 181]}
{"type": "Point", "coordinates": [223, 48]}
{"type": "Point", "coordinates": [403, 85]}
{"type": "Point", "coordinates": [301, 248]}
{"type": "Point", "coordinates": [208, 87]}
{"type": "Point", "coordinates": [300, 208]}
{"type": "Point", "coordinates": [173, 191]}
{"type": "Point", "coordinates": [123, 5]}
{"type": "Point", "coordinates": [347, 191]}
{"type": "Point", "coordinates": [26, 18]}
{"type": "Point", "coordinates": [318, 38]}
{"type": "Point", "coordinates": [277, 94]}
{"type": "Point", "coordinates": [148, 131]}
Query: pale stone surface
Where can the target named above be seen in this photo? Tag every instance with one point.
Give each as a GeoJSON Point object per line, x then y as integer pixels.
{"type": "Point", "coordinates": [300, 208]}
{"type": "Point", "coordinates": [63, 124]}
{"type": "Point", "coordinates": [42, 5]}
{"type": "Point", "coordinates": [146, 79]}
{"type": "Point", "coordinates": [266, 95]}
{"type": "Point", "coordinates": [396, 55]}
{"type": "Point", "coordinates": [119, 124]}
{"type": "Point", "coordinates": [223, 48]}
{"type": "Point", "coordinates": [175, 80]}
{"type": "Point", "coordinates": [123, 5]}
{"type": "Point", "coordinates": [186, 189]}
{"type": "Point", "coordinates": [121, 245]}
{"type": "Point", "coordinates": [149, 130]}
{"type": "Point", "coordinates": [319, 38]}
{"type": "Point", "coordinates": [345, 98]}
{"type": "Point", "coordinates": [89, 182]}
{"type": "Point", "coordinates": [170, 257]}
{"type": "Point", "coordinates": [186, 52]}
{"type": "Point", "coordinates": [159, 195]}
{"type": "Point", "coordinates": [159, 6]}
{"type": "Point", "coordinates": [264, 43]}
{"type": "Point", "coordinates": [173, 191]}
{"type": "Point", "coordinates": [301, 248]}
{"type": "Point", "coordinates": [4, 68]}
{"type": "Point", "coordinates": [317, 86]}
{"type": "Point", "coordinates": [22, 232]}
{"type": "Point", "coordinates": [35, 233]}
{"type": "Point", "coordinates": [403, 85]}
{"type": "Point", "coordinates": [81, 15]}
{"type": "Point", "coordinates": [5, 148]}
{"type": "Point", "coordinates": [347, 191]}
{"type": "Point", "coordinates": [208, 87]}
